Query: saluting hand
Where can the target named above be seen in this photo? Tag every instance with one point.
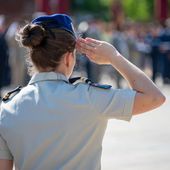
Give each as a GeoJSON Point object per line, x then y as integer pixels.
{"type": "Point", "coordinates": [99, 52]}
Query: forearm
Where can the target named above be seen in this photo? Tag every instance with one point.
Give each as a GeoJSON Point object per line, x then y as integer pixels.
{"type": "Point", "coordinates": [148, 96]}
{"type": "Point", "coordinates": [135, 77]}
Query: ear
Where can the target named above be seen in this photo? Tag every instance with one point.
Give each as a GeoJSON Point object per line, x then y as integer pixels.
{"type": "Point", "coordinates": [68, 59]}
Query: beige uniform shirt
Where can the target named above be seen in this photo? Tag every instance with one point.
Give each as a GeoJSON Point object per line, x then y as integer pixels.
{"type": "Point", "coordinates": [54, 125]}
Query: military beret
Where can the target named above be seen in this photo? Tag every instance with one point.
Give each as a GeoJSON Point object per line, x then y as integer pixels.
{"type": "Point", "coordinates": [58, 21]}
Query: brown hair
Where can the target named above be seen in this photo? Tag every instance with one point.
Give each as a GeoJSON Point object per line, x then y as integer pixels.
{"type": "Point", "coordinates": [46, 47]}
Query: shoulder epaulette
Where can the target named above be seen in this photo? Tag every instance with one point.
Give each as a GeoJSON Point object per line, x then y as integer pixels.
{"type": "Point", "coordinates": [76, 80]}
{"type": "Point", "coordinates": [8, 95]}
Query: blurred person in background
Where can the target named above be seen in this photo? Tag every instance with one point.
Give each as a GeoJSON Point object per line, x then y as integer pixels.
{"type": "Point", "coordinates": [94, 31]}
{"type": "Point", "coordinates": [5, 71]}
{"type": "Point", "coordinates": [119, 40]}
{"type": "Point", "coordinates": [142, 45]}
{"type": "Point", "coordinates": [82, 62]}
{"type": "Point", "coordinates": [131, 38]}
{"type": "Point", "coordinates": [165, 50]}
{"type": "Point", "coordinates": [16, 55]}
{"type": "Point", "coordinates": [88, 27]}
{"type": "Point", "coordinates": [157, 59]}
{"type": "Point", "coordinates": [107, 72]}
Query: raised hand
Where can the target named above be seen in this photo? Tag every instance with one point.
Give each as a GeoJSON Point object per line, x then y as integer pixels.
{"type": "Point", "coordinates": [99, 52]}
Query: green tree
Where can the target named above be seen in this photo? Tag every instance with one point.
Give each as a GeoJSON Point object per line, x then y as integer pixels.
{"type": "Point", "coordinates": [141, 10]}
{"type": "Point", "coordinates": [98, 7]}
{"type": "Point", "coordinates": [86, 5]}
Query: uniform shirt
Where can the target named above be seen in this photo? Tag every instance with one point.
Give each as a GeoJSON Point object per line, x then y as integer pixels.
{"type": "Point", "coordinates": [54, 125]}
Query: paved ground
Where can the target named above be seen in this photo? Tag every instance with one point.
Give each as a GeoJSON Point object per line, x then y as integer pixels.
{"type": "Point", "coordinates": [142, 144]}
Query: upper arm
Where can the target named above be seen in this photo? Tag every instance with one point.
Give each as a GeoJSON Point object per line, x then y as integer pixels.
{"type": "Point", "coordinates": [112, 103]}
{"type": "Point", "coordinates": [144, 103]}
{"type": "Point", "coordinates": [6, 164]}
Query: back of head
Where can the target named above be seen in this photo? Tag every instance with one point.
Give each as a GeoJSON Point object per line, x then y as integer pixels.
{"type": "Point", "coordinates": [48, 40]}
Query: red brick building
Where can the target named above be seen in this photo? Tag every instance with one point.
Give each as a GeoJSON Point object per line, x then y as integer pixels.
{"type": "Point", "coordinates": [15, 7]}
{"type": "Point", "coordinates": [162, 10]}
{"type": "Point", "coordinates": [53, 6]}
{"type": "Point", "coordinates": [21, 7]}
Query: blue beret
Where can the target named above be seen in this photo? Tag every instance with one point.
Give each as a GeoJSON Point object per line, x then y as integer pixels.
{"type": "Point", "coordinates": [58, 21]}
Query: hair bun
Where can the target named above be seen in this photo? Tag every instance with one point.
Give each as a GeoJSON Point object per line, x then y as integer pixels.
{"type": "Point", "coordinates": [32, 35]}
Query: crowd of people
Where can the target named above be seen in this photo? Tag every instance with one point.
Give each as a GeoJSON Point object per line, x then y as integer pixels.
{"type": "Point", "coordinates": [147, 45]}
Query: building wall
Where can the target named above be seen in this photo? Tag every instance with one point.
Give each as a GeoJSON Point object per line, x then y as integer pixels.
{"type": "Point", "coordinates": [53, 6]}
{"type": "Point", "coordinates": [162, 9]}
{"type": "Point", "coordinates": [16, 7]}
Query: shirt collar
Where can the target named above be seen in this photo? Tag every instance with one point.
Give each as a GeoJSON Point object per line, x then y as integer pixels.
{"type": "Point", "coordinates": [47, 76]}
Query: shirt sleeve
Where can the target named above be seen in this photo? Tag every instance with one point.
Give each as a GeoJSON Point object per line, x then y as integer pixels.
{"type": "Point", "coordinates": [112, 103]}
{"type": "Point", "coordinates": [4, 150]}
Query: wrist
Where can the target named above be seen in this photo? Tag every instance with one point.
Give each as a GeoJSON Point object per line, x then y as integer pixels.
{"type": "Point", "coordinates": [114, 57]}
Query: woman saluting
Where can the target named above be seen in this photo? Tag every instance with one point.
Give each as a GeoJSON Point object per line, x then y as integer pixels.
{"type": "Point", "coordinates": [53, 124]}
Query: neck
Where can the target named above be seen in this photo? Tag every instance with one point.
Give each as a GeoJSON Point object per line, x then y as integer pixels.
{"type": "Point", "coordinates": [59, 69]}
{"type": "Point", "coordinates": [62, 70]}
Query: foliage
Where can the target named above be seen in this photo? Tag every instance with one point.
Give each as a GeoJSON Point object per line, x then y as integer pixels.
{"type": "Point", "coordinates": [141, 10]}
{"type": "Point", "coordinates": [97, 7]}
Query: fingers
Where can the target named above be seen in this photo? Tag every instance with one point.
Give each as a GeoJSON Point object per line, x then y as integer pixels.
{"type": "Point", "coordinates": [89, 43]}
{"type": "Point", "coordinates": [84, 50]}
{"type": "Point", "coordinates": [89, 47]}
{"type": "Point", "coordinates": [85, 43]}
{"type": "Point", "coordinates": [84, 47]}
{"type": "Point", "coordinates": [93, 41]}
